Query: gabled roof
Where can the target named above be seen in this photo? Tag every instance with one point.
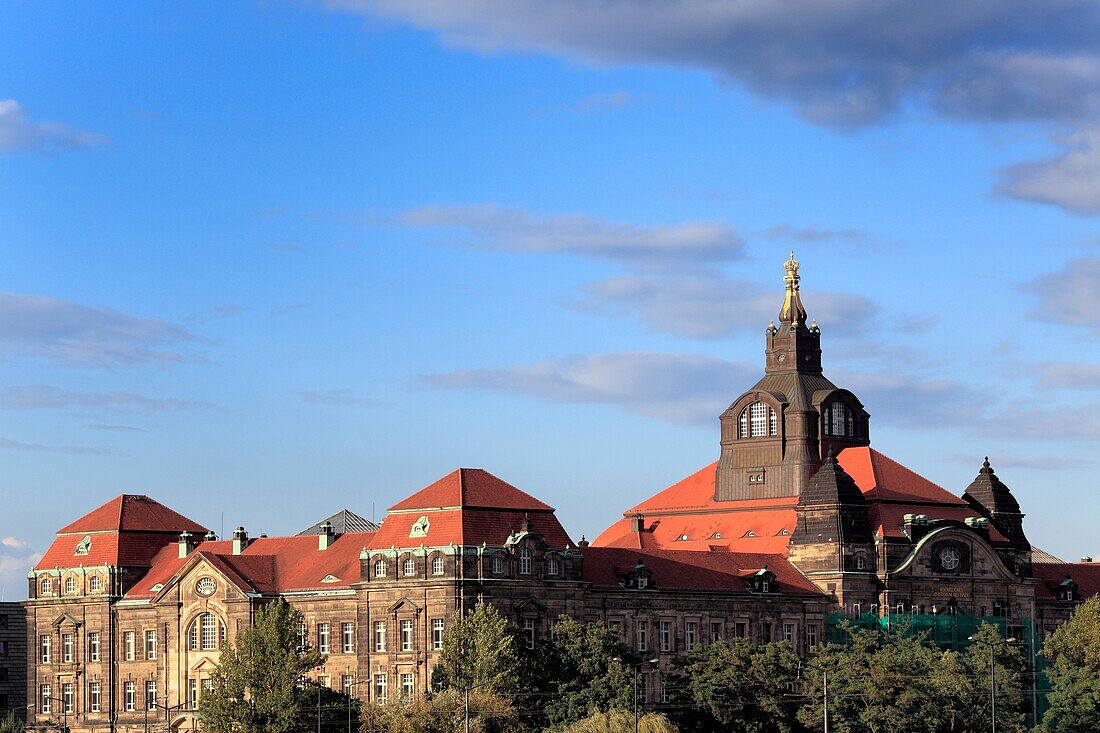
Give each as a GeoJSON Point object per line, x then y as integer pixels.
{"type": "Point", "coordinates": [693, 570]}
{"type": "Point", "coordinates": [343, 521]}
{"type": "Point", "coordinates": [1051, 575]}
{"type": "Point", "coordinates": [268, 565]}
{"type": "Point", "coordinates": [132, 513]}
{"type": "Point", "coordinates": [470, 487]}
{"type": "Point", "coordinates": [467, 527]}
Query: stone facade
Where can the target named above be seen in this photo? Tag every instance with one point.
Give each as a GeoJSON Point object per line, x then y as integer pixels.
{"type": "Point", "coordinates": [13, 660]}
{"type": "Point", "coordinates": [798, 523]}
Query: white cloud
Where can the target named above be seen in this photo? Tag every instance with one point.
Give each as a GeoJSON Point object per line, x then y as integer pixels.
{"type": "Point", "coordinates": [1071, 295]}
{"type": "Point", "coordinates": [42, 396]}
{"type": "Point", "coordinates": [13, 542]}
{"type": "Point", "coordinates": [14, 566]}
{"type": "Point", "coordinates": [19, 134]}
{"type": "Point", "coordinates": [714, 306]}
{"type": "Point", "coordinates": [65, 331]}
{"type": "Point", "coordinates": [515, 230]}
{"type": "Point", "coordinates": [1070, 180]}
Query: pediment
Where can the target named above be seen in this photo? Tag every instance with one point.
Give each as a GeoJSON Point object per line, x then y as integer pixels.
{"type": "Point", "coordinates": [978, 554]}
{"type": "Point", "coordinates": [404, 604]}
{"type": "Point", "coordinates": [199, 565]}
{"type": "Point", "coordinates": [531, 604]}
{"type": "Point", "coordinates": [65, 619]}
{"type": "Point", "coordinates": [206, 664]}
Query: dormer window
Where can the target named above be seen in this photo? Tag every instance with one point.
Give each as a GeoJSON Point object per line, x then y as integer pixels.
{"type": "Point", "coordinates": [840, 421]}
{"type": "Point", "coordinates": [47, 586]}
{"type": "Point", "coordinates": [379, 568]}
{"type": "Point", "coordinates": [525, 561]}
{"type": "Point", "coordinates": [498, 565]}
{"type": "Point", "coordinates": [758, 420]}
{"type": "Point", "coordinates": [551, 565]}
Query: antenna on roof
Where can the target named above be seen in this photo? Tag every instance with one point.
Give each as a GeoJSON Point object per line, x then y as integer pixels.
{"type": "Point", "coordinates": [221, 529]}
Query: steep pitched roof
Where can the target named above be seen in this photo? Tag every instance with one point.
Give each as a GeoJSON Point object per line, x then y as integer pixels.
{"type": "Point", "coordinates": [132, 513]}
{"type": "Point", "coordinates": [990, 492]}
{"type": "Point", "coordinates": [885, 479]}
{"type": "Point", "coordinates": [470, 487]}
{"type": "Point", "coordinates": [343, 521]}
{"type": "Point", "coordinates": [1051, 575]}
{"type": "Point", "coordinates": [466, 527]}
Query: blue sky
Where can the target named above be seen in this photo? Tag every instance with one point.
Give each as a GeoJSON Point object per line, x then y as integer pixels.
{"type": "Point", "coordinates": [263, 261]}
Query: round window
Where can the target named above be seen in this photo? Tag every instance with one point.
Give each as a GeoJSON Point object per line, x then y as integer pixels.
{"type": "Point", "coordinates": [206, 586]}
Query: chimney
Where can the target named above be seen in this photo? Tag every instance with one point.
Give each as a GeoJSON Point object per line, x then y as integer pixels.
{"type": "Point", "coordinates": [240, 540]}
{"type": "Point", "coordinates": [209, 537]}
{"type": "Point", "coordinates": [637, 523]}
{"type": "Point", "coordinates": [1086, 558]}
{"type": "Point", "coordinates": [187, 543]}
{"type": "Point", "coordinates": [327, 535]}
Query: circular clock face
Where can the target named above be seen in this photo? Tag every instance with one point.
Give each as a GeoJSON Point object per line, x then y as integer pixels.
{"type": "Point", "coordinates": [949, 558]}
{"type": "Point", "coordinates": [206, 586]}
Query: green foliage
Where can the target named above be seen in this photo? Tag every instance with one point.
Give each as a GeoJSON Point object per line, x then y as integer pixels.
{"type": "Point", "coordinates": [891, 682]}
{"type": "Point", "coordinates": [1074, 654]}
{"type": "Point", "coordinates": [11, 724]}
{"type": "Point", "coordinates": [735, 684]}
{"type": "Point", "coordinates": [480, 651]}
{"type": "Point", "coordinates": [620, 721]}
{"type": "Point", "coordinates": [442, 712]}
{"type": "Point", "coordinates": [256, 687]}
{"type": "Point", "coordinates": [585, 669]}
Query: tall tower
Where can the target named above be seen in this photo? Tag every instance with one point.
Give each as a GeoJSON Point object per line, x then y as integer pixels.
{"type": "Point", "coordinates": [775, 435]}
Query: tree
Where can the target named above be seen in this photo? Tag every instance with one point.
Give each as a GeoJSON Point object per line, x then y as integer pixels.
{"type": "Point", "coordinates": [620, 721]}
{"type": "Point", "coordinates": [480, 651]}
{"type": "Point", "coordinates": [1073, 652]}
{"type": "Point", "coordinates": [11, 724]}
{"type": "Point", "coordinates": [585, 669]}
{"type": "Point", "coordinates": [257, 686]}
{"type": "Point", "coordinates": [442, 712]}
{"type": "Point", "coordinates": [738, 685]}
{"type": "Point", "coordinates": [1013, 696]}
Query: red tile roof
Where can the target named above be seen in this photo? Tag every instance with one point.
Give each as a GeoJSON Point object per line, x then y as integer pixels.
{"type": "Point", "coordinates": [1086, 574]}
{"type": "Point", "coordinates": [470, 487]}
{"type": "Point", "coordinates": [134, 513]}
{"type": "Point", "coordinates": [885, 479]}
{"type": "Point", "coordinates": [693, 570]}
{"type": "Point", "coordinates": [467, 527]}
{"type": "Point", "coordinates": [268, 565]}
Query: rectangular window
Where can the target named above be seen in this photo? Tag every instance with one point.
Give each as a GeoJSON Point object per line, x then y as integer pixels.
{"type": "Point", "coordinates": [46, 643]}
{"type": "Point", "coordinates": [347, 633]}
{"type": "Point", "coordinates": [380, 636]}
{"type": "Point", "coordinates": [128, 650]}
{"type": "Point", "coordinates": [151, 695]}
{"type": "Point", "coordinates": [347, 682]}
{"type": "Point", "coordinates": [715, 631]}
{"type": "Point", "coordinates": [129, 696]}
{"type": "Point", "coordinates": [408, 687]}
{"type": "Point", "coordinates": [741, 630]}
{"type": "Point", "coordinates": [811, 635]}
{"type": "Point", "coordinates": [529, 633]}
{"type": "Point", "coordinates": [643, 688]}
{"type": "Point", "coordinates": [691, 635]}
{"type": "Point", "coordinates": [93, 697]}
{"type": "Point", "coordinates": [380, 687]}
{"type": "Point", "coordinates": [46, 706]}
{"type": "Point", "coordinates": [406, 636]}
{"type": "Point", "coordinates": [664, 690]}
{"type": "Point", "coordinates": [322, 638]}
{"type": "Point", "coordinates": [324, 681]}
{"type": "Point", "coordinates": [766, 632]}
{"type": "Point", "coordinates": [788, 632]}
{"type": "Point", "coordinates": [666, 636]}
{"type": "Point", "coordinates": [303, 635]}
{"type": "Point", "coordinates": [192, 694]}
{"type": "Point", "coordinates": [67, 648]}
{"type": "Point", "coordinates": [93, 646]}
{"type": "Point", "coordinates": [150, 644]}
{"type": "Point", "coordinates": [67, 698]}
{"type": "Point", "coordinates": [643, 636]}
{"type": "Point", "coordinates": [437, 634]}
{"type": "Point", "coordinates": [3, 648]}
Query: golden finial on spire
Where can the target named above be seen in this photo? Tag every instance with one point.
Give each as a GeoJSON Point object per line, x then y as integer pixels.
{"type": "Point", "coordinates": [793, 312]}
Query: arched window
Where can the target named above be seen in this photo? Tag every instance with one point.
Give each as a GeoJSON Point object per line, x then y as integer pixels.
{"type": "Point", "coordinates": [47, 586]}
{"type": "Point", "coordinates": [94, 584]}
{"type": "Point", "coordinates": [840, 421]}
{"type": "Point", "coordinates": [408, 567]}
{"type": "Point", "coordinates": [552, 565]}
{"type": "Point", "coordinates": [70, 584]}
{"type": "Point", "coordinates": [758, 420]}
{"type": "Point", "coordinates": [498, 565]}
{"type": "Point", "coordinates": [525, 561]}
{"type": "Point", "coordinates": [437, 565]}
{"type": "Point", "coordinates": [206, 633]}
{"type": "Point", "coordinates": [379, 568]}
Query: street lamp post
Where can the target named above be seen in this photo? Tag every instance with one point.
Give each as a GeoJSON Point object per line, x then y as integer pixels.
{"type": "Point", "coordinates": [992, 674]}
{"type": "Point", "coordinates": [637, 666]}
{"type": "Point", "coordinates": [347, 687]}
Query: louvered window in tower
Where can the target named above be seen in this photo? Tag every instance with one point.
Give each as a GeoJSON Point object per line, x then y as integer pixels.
{"type": "Point", "coordinates": [761, 419]}
{"type": "Point", "coordinates": [840, 421]}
